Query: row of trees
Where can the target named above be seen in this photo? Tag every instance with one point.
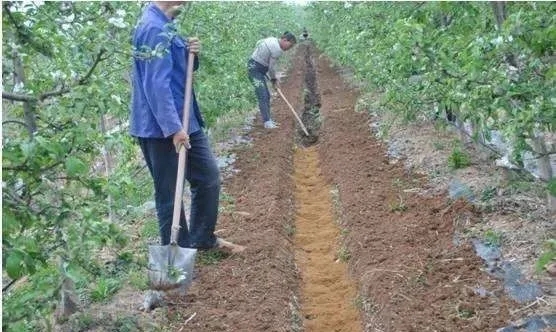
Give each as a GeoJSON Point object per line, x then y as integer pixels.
{"type": "Point", "coordinates": [490, 65]}
{"type": "Point", "coordinates": [71, 173]}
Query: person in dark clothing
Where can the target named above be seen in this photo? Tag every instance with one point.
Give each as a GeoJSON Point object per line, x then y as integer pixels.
{"type": "Point", "coordinates": [158, 88]}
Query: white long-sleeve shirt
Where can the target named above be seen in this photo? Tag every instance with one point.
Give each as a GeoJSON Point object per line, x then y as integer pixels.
{"type": "Point", "coordinates": [266, 52]}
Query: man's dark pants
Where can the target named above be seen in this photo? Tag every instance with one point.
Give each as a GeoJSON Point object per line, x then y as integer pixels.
{"type": "Point", "coordinates": [257, 73]}
{"type": "Point", "coordinates": [204, 179]}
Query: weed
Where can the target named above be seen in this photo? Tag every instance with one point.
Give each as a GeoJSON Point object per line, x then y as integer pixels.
{"type": "Point", "coordinates": [225, 123]}
{"type": "Point", "coordinates": [150, 230]}
{"type": "Point", "coordinates": [228, 203]}
{"type": "Point", "coordinates": [104, 288]}
{"type": "Point", "coordinates": [210, 257]}
{"type": "Point", "coordinates": [487, 194]}
{"type": "Point", "coordinates": [492, 238]}
{"type": "Point", "coordinates": [465, 312]}
{"type": "Point", "coordinates": [419, 280]}
{"type": "Point", "coordinates": [438, 146]}
{"type": "Point", "coordinates": [551, 187]}
{"type": "Point", "coordinates": [82, 322]}
{"type": "Point", "coordinates": [458, 159]}
{"type": "Point", "coordinates": [548, 255]}
{"type": "Point", "coordinates": [227, 198]}
{"type": "Point", "coordinates": [256, 157]}
{"type": "Point", "coordinates": [138, 279]}
{"type": "Point", "coordinates": [296, 317]}
{"type": "Point", "coordinates": [398, 183]}
{"type": "Point", "coordinates": [359, 301]}
{"type": "Point", "coordinates": [343, 254]}
{"type": "Point", "coordinates": [290, 229]}
{"type": "Point", "coordinates": [365, 304]}
{"type": "Point", "coordinates": [126, 324]}
{"type": "Point", "coordinates": [524, 184]}
{"type": "Point", "coordinates": [398, 206]}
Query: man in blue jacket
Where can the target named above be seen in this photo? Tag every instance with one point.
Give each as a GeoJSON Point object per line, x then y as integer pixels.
{"type": "Point", "coordinates": [158, 88]}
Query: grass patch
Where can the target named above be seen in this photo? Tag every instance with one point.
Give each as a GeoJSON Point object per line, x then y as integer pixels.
{"type": "Point", "coordinates": [343, 254]}
{"type": "Point", "coordinates": [138, 279]}
{"type": "Point", "coordinates": [492, 238]}
{"type": "Point", "coordinates": [104, 289]}
{"type": "Point", "coordinates": [458, 159]}
{"type": "Point", "coordinates": [365, 304]}
{"type": "Point", "coordinates": [438, 146]}
{"type": "Point", "coordinates": [126, 324]}
{"type": "Point", "coordinates": [398, 206]}
{"type": "Point", "coordinates": [150, 230]}
{"type": "Point", "coordinates": [227, 203]}
{"type": "Point", "coordinates": [548, 255]}
{"type": "Point", "coordinates": [210, 257]}
{"type": "Point", "coordinates": [487, 194]}
{"type": "Point", "coordinates": [227, 123]}
{"type": "Point", "coordinates": [551, 187]}
{"type": "Point", "coordinates": [465, 312]}
{"type": "Point", "coordinates": [82, 322]}
{"type": "Point", "coordinates": [289, 229]}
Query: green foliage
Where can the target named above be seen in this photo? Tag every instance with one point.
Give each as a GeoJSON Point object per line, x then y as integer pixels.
{"type": "Point", "coordinates": [488, 193]}
{"type": "Point", "coordinates": [150, 230]}
{"type": "Point", "coordinates": [66, 91]}
{"type": "Point", "coordinates": [492, 238]}
{"type": "Point", "coordinates": [428, 57]}
{"type": "Point", "coordinates": [138, 279]}
{"type": "Point", "coordinates": [548, 255]}
{"type": "Point", "coordinates": [551, 186]}
{"type": "Point", "coordinates": [227, 46]}
{"type": "Point", "coordinates": [343, 254]}
{"type": "Point", "coordinates": [398, 206]}
{"type": "Point", "coordinates": [210, 257]}
{"type": "Point", "coordinates": [458, 159]}
{"type": "Point", "coordinates": [126, 324]}
{"type": "Point", "coordinates": [104, 288]}
{"type": "Point", "coordinates": [66, 59]}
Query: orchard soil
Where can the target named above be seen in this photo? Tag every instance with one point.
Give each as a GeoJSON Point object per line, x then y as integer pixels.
{"type": "Point", "coordinates": [399, 269]}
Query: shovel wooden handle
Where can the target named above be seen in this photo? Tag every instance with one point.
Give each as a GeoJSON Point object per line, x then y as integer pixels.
{"type": "Point", "coordinates": [178, 198]}
{"type": "Point", "coordinates": [293, 111]}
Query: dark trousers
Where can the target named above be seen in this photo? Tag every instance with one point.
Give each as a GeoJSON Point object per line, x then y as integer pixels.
{"type": "Point", "coordinates": [257, 77]}
{"type": "Point", "coordinates": [203, 176]}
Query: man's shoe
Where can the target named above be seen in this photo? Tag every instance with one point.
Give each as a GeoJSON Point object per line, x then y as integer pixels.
{"type": "Point", "coordinates": [228, 247]}
{"type": "Point", "coordinates": [270, 124]}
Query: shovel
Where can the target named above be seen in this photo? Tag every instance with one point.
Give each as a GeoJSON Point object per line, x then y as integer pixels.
{"type": "Point", "coordinates": [170, 266]}
{"type": "Point", "coordinates": [293, 111]}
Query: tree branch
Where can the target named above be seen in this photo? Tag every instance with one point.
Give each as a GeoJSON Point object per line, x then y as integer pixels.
{"type": "Point", "coordinates": [82, 81]}
{"type": "Point", "coordinates": [21, 123]}
{"type": "Point", "coordinates": [18, 97]}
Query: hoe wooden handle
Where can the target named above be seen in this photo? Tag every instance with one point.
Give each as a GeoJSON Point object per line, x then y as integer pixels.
{"type": "Point", "coordinates": [293, 111]}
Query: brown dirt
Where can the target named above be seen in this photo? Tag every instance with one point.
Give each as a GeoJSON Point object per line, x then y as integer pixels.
{"type": "Point", "coordinates": [404, 272]}
{"type": "Point", "coordinates": [328, 295]}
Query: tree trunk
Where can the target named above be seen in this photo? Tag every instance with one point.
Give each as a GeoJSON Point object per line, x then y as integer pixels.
{"type": "Point", "coordinates": [28, 107]}
{"type": "Point", "coordinates": [107, 163]}
{"type": "Point", "coordinates": [499, 8]}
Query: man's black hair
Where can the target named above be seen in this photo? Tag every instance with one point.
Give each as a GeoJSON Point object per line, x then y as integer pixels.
{"type": "Point", "coordinates": [289, 37]}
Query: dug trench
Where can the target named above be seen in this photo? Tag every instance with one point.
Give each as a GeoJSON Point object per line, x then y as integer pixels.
{"type": "Point", "coordinates": [338, 237]}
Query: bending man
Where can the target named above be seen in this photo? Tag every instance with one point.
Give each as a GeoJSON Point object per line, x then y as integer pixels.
{"type": "Point", "coordinates": [262, 61]}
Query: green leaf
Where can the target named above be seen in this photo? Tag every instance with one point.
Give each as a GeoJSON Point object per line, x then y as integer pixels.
{"type": "Point", "coordinates": [14, 264]}
{"type": "Point", "coordinates": [28, 149]}
{"type": "Point", "coordinates": [551, 186]}
{"type": "Point", "coordinates": [75, 167]}
{"type": "Point", "coordinates": [9, 223]}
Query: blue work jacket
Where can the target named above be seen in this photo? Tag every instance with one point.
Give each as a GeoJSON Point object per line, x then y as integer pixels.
{"type": "Point", "coordinates": [158, 78]}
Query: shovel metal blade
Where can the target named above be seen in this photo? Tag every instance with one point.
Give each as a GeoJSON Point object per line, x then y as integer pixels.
{"type": "Point", "coordinates": [171, 267]}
